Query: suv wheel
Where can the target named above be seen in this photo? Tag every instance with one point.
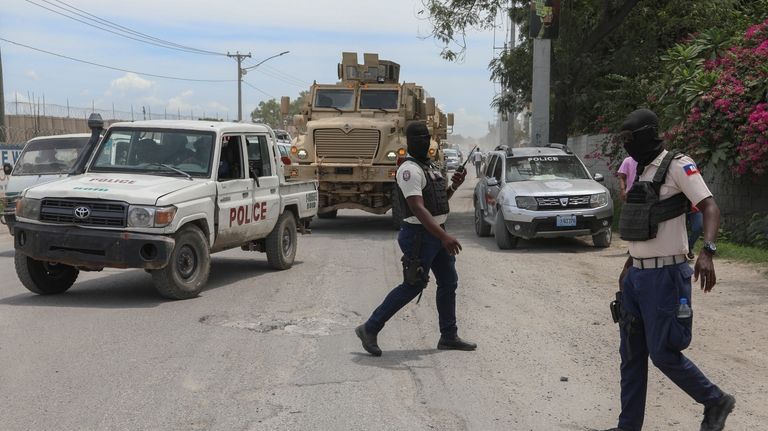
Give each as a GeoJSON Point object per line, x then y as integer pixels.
{"type": "Point", "coordinates": [482, 228]}
{"type": "Point", "coordinates": [504, 239]}
{"type": "Point", "coordinates": [603, 239]}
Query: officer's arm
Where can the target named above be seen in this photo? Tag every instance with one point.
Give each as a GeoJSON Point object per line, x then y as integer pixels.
{"type": "Point", "coordinates": [416, 204]}
{"type": "Point", "coordinates": [704, 267]}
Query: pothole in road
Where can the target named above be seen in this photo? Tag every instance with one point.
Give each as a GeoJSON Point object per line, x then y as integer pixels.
{"type": "Point", "coordinates": [302, 326]}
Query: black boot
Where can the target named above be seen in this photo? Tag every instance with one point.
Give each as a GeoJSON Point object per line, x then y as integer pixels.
{"type": "Point", "coordinates": [716, 414]}
{"type": "Point", "coordinates": [369, 341]}
{"type": "Point", "coordinates": [455, 343]}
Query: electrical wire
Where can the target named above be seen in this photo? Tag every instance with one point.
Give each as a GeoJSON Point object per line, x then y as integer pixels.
{"type": "Point", "coordinates": [287, 75]}
{"type": "Point", "coordinates": [258, 89]}
{"type": "Point", "coordinates": [116, 68]}
{"type": "Point", "coordinates": [279, 78]}
{"type": "Point", "coordinates": [141, 36]}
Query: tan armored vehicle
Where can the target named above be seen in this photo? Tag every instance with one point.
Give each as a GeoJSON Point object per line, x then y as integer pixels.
{"type": "Point", "coordinates": [352, 135]}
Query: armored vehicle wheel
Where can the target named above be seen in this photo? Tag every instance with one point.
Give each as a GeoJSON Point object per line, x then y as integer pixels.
{"type": "Point", "coordinates": [44, 278]}
{"type": "Point", "coordinates": [189, 266]}
{"type": "Point", "coordinates": [281, 242]}
{"type": "Point", "coordinates": [504, 239]}
{"type": "Point", "coordinates": [329, 214]}
{"type": "Point", "coordinates": [603, 239]}
{"type": "Point", "coordinates": [482, 228]}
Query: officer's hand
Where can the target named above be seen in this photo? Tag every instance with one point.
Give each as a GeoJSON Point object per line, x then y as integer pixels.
{"type": "Point", "coordinates": [458, 178]}
{"type": "Point", "coordinates": [451, 244]}
{"type": "Point", "coordinates": [705, 269]}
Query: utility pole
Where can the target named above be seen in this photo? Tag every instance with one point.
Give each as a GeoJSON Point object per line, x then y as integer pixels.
{"type": "Point", "coordinates": [2, 102]}
{"type": "Point", "coordinates": [511, 114]}
{"type": "Point", "coordinates": [239, 57]}
{"type": "Point", "coordinates": [545, 26]}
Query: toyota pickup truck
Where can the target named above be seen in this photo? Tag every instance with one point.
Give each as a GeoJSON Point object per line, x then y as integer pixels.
{"type": "Point", "coordinates": [163, 196]}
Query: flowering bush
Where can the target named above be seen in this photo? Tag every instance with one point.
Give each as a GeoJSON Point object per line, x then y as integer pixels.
{"type": "Point", "coordinates": [728, 123]}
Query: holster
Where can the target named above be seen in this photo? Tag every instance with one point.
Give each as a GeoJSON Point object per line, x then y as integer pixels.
{"type": "Point", "coordinates": [616, 308]}
{"type": "Point", "coordinates": [414, 274]}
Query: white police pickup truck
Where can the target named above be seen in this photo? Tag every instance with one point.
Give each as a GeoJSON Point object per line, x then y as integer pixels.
{"type": "Point", "coordinates": [163, 196]}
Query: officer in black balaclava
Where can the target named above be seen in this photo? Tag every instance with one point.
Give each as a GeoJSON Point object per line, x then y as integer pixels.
{"type": "Point", "coordinates": [656, 292]}
{"type": "Point", "coordinates": [640, 136]}
{"type": "Point", "coordinates": [423, 194]}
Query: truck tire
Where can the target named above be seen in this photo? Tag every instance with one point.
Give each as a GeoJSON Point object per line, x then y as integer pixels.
{"type": "Point", "coordinates": [603, 239]}
{"type": "Point", "coordinates": [189, 266]}
{"type": "Point", "coordinates": [281, 242]}
{"type": "Point", "coordinates": [329, 214]}
{"type": "Point", "coordinates": [44, 278]}
{"type": "Point", "coordinates": [398, 213]}
{"type": "Point", "coordinates": [504, 239]}
{"type": "Point", "coordinates": [482, 228]}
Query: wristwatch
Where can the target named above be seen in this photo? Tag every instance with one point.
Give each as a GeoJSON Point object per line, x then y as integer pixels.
{"type": "Point", "coordinates": [710, 247]}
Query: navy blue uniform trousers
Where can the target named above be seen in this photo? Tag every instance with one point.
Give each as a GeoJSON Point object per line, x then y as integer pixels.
{"type": "Point", "coordinates": [434, 256]}
{"type": "Point", "coordinates": [651, 297]}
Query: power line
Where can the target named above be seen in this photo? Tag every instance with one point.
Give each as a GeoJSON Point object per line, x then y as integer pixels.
{"type": "Point", "coordinates": [141, 37]}
{"type": "Point", "coordinates": [280, 78]}
{"type": "Point", "coordinates": [115, 68]}
{"type": "Point", "coordinates": [287, 75]}
{"type": "Point", "coordinates": [258, 89]}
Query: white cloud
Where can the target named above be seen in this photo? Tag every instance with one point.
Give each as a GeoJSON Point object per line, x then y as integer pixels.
{"type": "Point", "coordinates": [130, 82]}
{"type": "Point", "coordinates": [31, 74]}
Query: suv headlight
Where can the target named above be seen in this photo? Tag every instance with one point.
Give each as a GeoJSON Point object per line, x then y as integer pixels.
{"type": "Point", "coordinates": [139, 216]}
{"type": "Point", "coordinates": [598, 200]}
{"type": "Point", "coordinates": [28, 208]}
{"type": "Point", "coordinates": [526, 202]}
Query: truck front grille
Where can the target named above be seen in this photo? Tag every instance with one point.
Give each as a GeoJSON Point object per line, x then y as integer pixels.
{"type": "Point", "coordinates": [556, 202]}
{"type": "Point", "coordinates": [99, 213]}
{"type": "Point", "coordinates": [335, 145]}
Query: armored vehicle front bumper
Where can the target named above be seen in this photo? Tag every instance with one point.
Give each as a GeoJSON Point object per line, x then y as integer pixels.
{"type": "Point", "coordinates": [341, 172]}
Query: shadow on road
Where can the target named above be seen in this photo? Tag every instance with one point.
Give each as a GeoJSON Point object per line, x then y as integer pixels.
{"type": "Point", "coordinates": [392, 359]}
{"type": "Point", "coordinates": [134, 289]}
{"type": "Point", "coordinates": [7, 253]}
{"type": "Point", "coordinates": [351, 221]}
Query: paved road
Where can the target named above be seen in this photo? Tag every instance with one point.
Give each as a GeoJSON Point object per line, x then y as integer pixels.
{"type": "Point", "coordinates": [265, 350]}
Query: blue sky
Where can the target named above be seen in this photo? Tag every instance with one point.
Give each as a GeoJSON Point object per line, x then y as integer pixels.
{"type": "Point", "coordinates": [314, 31]}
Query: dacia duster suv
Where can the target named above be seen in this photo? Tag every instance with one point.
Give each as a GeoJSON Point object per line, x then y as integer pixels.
{"type": "Point", "coordinates": [540, 192]}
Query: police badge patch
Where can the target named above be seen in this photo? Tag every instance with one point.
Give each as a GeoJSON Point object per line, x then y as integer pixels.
{"type": "Point", "coordinates": [406, 175]}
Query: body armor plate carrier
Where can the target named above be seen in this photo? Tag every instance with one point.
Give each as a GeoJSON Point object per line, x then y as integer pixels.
{"type": "Point", "coordinates": [643, 210]}
{"type": "Point", "coordinates": [435, 193]}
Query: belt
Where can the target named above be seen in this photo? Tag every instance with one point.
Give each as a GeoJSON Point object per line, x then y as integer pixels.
{"type": "Point", "coordinates": [658, 262]}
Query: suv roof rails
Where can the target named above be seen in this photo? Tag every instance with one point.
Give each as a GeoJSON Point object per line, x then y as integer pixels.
{"type": "Point", "coordinates": [560, 147]}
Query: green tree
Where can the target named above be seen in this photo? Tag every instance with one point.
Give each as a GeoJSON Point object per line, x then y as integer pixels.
{"type": "Point", "coordinates": [604, 62]}
{"type": "Point", "coordinates": [268, 111]}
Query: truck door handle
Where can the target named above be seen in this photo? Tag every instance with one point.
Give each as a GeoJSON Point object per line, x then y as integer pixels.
{"type": "Point", "coordinates": [245, 194]}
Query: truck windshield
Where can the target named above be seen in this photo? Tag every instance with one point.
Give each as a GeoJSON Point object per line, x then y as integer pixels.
{"type": "Point", "coordinates": [335, 98]}
{"type": "Point", "coordinates": [378, 99]}
{"type": "Point", "coordinates": [544, 168]}
{"type": "Point", "coordinates": [50, 156]}
{"type": "Point", "coordinates": [147, 150]}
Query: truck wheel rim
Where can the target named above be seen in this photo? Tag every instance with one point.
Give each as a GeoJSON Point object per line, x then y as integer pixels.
{"type": "Point", "coordinates": [186, 262]}
{"type": "Point", "coordinates": [287, 243]}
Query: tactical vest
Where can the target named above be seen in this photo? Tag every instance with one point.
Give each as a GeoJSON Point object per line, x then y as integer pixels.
{"type": "Point", "coordinates": [434, 193]}
{"type": "Point", "coordinates": [643, 211]}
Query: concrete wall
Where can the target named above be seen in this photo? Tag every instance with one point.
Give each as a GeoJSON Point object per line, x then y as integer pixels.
{"type": "Point", "coordinates": [585, 146]}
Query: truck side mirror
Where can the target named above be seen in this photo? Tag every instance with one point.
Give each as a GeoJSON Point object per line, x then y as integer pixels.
{"type": "Point", "coordinates": [285, 104]}
{"type": "Point", "coordinates": [598, 177]}
{"type": "Point", "coordinates": [7, 168]}
{"type": "Point", "coordinates": [430, 106]}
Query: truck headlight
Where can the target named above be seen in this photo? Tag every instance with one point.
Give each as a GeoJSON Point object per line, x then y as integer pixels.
{"type": "Point", "coordinates": [139, 216]}
{"type": "Point", "coordinates": [598, 200]}
{"type": "Point", "coordinates": [302, 154]}
{"type": "Point", "coordinates": [526, 202]}
{"type": "Point", "coordinates": [28, 208]}
{"type": "Point", "coordinates": [391, 156]}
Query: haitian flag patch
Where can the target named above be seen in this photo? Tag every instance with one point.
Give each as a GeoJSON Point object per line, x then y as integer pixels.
{"type": "Point", "coordinates": [690, 169]}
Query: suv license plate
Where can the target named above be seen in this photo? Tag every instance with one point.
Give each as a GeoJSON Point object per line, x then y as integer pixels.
{"type": "Point", "coordinates": [566, 221]}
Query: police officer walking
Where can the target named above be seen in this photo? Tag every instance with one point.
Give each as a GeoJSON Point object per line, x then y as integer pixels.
{"type": "Point", "coordinates": [425, 245]}
{"type": "Point", "coordinates": [656, 314]}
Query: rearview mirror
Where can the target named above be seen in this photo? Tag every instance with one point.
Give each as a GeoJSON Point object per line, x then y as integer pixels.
{"type": "Point", "coordinates": [598, 177]}
{"type": "Point", "coordinates": [7, 168]}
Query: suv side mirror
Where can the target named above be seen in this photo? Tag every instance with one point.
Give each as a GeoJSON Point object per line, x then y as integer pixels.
{"type": "Point", "coordinates": [7, 168]}
{"type": "Point", "coordinates": [492, 181]}
{"type": "Point", "coordinates": [598, 177]}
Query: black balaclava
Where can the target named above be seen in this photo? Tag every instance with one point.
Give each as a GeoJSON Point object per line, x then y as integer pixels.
{"type": "Point", "coordinates": [640, 133]}
{"type": "Point", "coordinates": [417, 138]}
